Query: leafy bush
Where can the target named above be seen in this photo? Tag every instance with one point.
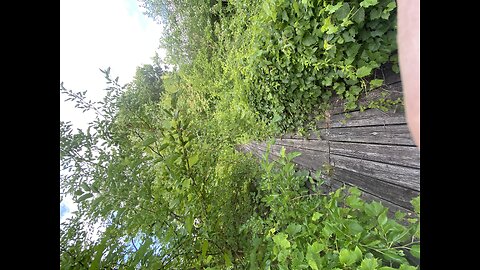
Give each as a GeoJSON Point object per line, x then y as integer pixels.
{"type": "Point", "coordinates": [300, 53]}
{"type": "Point", "coordinates": [297, 229]}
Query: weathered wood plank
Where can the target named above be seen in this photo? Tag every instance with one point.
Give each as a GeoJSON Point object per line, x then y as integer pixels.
{"type": "Point", "coordinates": [311, 135]}
{"type": "Point", "coordinates": [392, 208]}
{"type": "Point", "coordinates": [317, 145]}
{"type": "Point", "coordinates": [397, 175]}
{"type": "Point", "coordinates": [257, 151]}
{"type": "Point", "coordinates": [369, 117]}
{"type": "Point", "coordinates": [393, 193]}
{"type": "Point", "coordinates": [392, 196]}
{"type": "Point", "coordinates": [408, 156]}
{"type": "Point", "coordinates": [335, 184]}
{"type": "Point", "coordinates": [310, 159]}
{"type": "Point", "coordinates": [392, 134]}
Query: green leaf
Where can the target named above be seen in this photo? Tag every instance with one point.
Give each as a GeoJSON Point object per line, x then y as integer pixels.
{"type": "Point", "coordinates": [94, 188]}
{"type": "Point", "coordinates": [204, 248]}
{"type": "Point", "coordinates": [415, 250]}
{"type": "Point", "coordinates": [193, 160]}
{"type": "Point", "coordinates": [373, 209]}
{"type": "Point", "coordinates": [282, 256]}
{"type": "Point", "coordinates": [407, 267]}
{"type": "Point", "coordinates": [293, 229]}
{"type": "Point", "coordinates": [295, 7]}
{"type": "Point", "coordinates": [382, 219]}
{"type": "Point", "coordinates": [85, 186]}
{"type": "Point", "coordinates": [162, 147]}
{"type": "Point", "coordinates": [358, 253]}
{"type": "Point", "coordinates": [84, 197]}
{"type": "Point", "coordinates": [327, 231]}
{"type": "Point", "coordinates": [311, 260]}
{"type": "Point", "coordinates": [78, 192]}
{"type": "Point", "coordinates": [355, 90]}
{"type": "Point", "coordinates": [354, 227]}
{"type": "Point", "coordinates": [326, 24]}
{"type": "Point", "coordinates": [352, 50]}
{"type": "Point", "coordinates": [149, 141]}
{"type": "Point", "coordinates": [313, 255]}
{"type": "Point", "coordinates": [391, 6]}
{"type": "Point", "coordinates": [342, 12]}
{"type": "Point", "coordinates": [340, 88]}
{"type": "Point", "coordinates": [399, 215]}
{"type": "Point", "coordinates": [375, 14]}
{"type": "Point", "coordinates": [280, 239]}
{"type": "Point", "coordinates": [284, 16]}
{"type": "Point", "coordinates": [359, 16]}
{"type": "Point", "coordinates": [316, 247]}
{"type": "Point", "coordinates": [347, 37]}
{"type": "Point", "coordinates": [332, 8]}
{"type": "Point", "coordinates": [209, 259]}
{"type": "Point", "coordinates": [396, 68]}
{"type": "Point", "coordinates": [292, 155]}
{"type": "Point", "coordinates": [375, 83]}
{"type": "Point", "coordinates": [228, 259]}
{"type": "Point", "coordinates": [385, 16]}
{"type": "Point", "coordinates": [416, 204]}
{"type": "Point", "coordinates": [327, 81]}
{"type": "Point", "coordinates": [364, 71]}
{"type": "Point", "coordinates": [98, 255]}
{"type": "Point", "coordinates": [355, 191]}
{"type": "Point", "coordinates": [276, 118]}
{"type": "Point", "coordinates": [316, 216]}
{"type": "Point", "coordinates": [368, 3]}
{"type": "Point", "coordinates": [354, 202]}
{"type": "Point", "coordinates": [186, 183]}
{"type": "Point", "coordinates": [309, 40]}
{"type": "Point", "coordinates": [347, 257]}
{"type": "Point", "coordinates": [369, 264]}
{"type": "Point", "coordinates": [327, 46]}
{"type": "Point", "coordinates": [189, 223]}
{"type": "Point", "coordinates": [332, 29]}
{"type": "Point", "coordinates": [393, 256]}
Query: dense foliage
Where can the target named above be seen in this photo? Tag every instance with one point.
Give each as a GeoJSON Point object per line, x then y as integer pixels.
{"type": "Point", "coordinates": [158, 169]}
{"type": "Point", "coordinates": [300, 53]}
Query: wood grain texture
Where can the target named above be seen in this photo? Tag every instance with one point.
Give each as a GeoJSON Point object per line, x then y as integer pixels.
{"type": "Point", "coordinates": [395, 194]}
{"type": "Point", "coordinates": [390, 134]}
{"type": "Point", "coordinates": [334, 184]}
{"type": "Point", "coordinates": [316, 145]}
{"type": "Point", "coordinates": [397, 175]}
{"type": "Point", "coordinates": [407, 156]}
{"type": "Point", "coordinates": [369, 117]}
{"type": "Point", "coordinates": [309, 159]}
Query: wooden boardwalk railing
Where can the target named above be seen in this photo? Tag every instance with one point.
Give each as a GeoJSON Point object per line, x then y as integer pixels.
{"type": "Point", "coordinates": [372, 150]}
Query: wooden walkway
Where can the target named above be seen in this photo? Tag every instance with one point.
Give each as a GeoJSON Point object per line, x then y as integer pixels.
{"type": "Point", "coordinates": [372, 150]}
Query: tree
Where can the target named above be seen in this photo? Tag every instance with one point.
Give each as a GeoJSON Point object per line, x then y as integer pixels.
{"type": "Point", "coordinates": [143, 172]}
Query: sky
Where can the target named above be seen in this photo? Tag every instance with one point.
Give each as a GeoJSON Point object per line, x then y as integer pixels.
{"type": "Point", "coordinates": [99, 34]}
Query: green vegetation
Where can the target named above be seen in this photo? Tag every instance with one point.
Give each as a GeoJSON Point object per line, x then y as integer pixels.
{"type": "Point", "coordinates": [159, 169]}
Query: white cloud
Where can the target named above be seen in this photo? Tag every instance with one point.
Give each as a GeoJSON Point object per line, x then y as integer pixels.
{"type": "Point", "coordinates": [97, 34]}
{"type": "Point", "coordinates": [70, 206]}
{"type": "Point", "coordinates": [100, 33]}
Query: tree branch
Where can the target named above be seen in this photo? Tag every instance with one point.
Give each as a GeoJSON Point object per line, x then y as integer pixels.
{"type": "Point", "coordinates": [136, 249]}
